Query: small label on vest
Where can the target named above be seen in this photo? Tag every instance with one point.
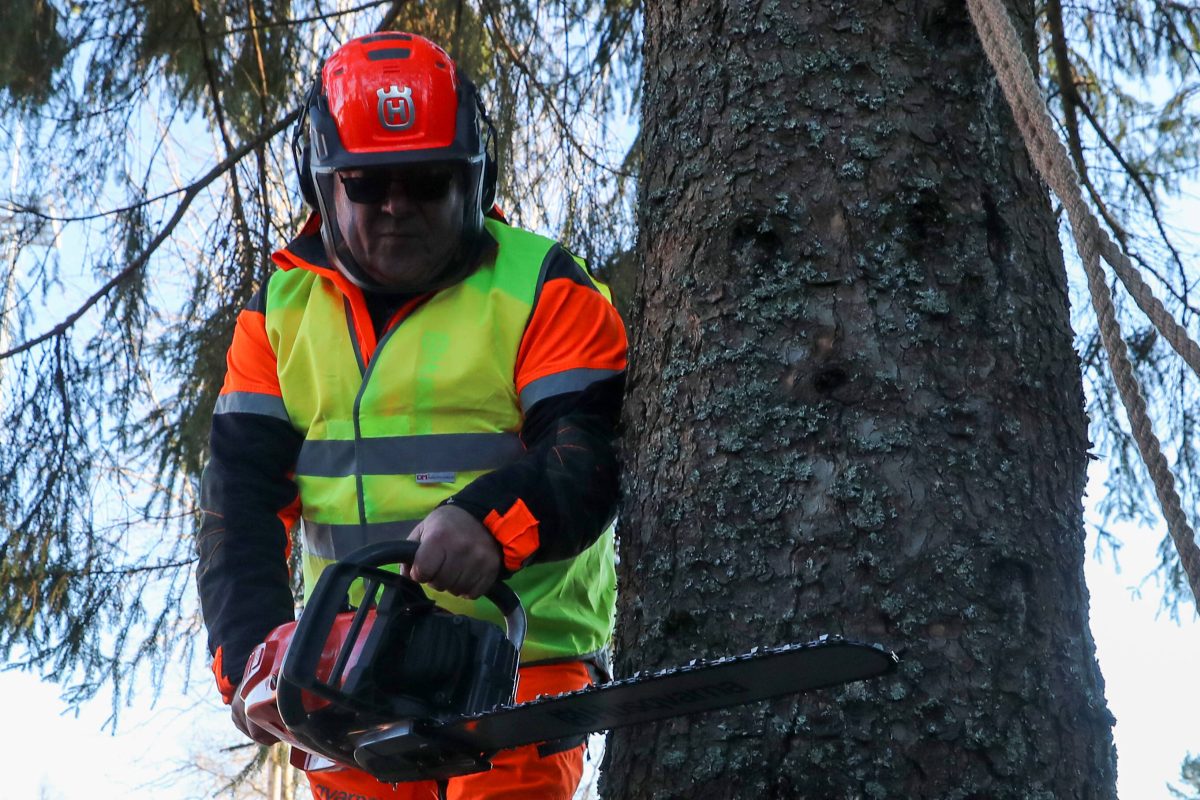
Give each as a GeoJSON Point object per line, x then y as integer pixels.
{"type": "Point", "coordinates": [436, 477]}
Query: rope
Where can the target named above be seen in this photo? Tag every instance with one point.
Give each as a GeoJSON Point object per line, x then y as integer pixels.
{"type": "Point", "coordinates": [1024, 96]}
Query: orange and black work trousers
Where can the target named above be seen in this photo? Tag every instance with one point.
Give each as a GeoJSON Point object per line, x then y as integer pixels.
{"type": "Point", "coordinates": [546, 772]}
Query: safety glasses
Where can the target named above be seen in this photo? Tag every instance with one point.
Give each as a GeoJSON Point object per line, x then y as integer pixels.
{"type": "Point", "coordinates": [420, 184]}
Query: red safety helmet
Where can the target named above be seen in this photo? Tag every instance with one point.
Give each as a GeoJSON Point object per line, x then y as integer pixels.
{"type": "Point", "coordinates": [389, 100]}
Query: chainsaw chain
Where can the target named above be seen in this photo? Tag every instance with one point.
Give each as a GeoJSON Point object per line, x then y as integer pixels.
{"type": "Point", "coordinates": [637, 677]}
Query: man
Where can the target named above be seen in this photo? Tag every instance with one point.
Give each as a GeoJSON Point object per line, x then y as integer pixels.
{"type": "Point", "coordinates": [418, 369]}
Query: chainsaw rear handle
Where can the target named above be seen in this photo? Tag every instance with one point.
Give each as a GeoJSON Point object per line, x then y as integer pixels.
{"type": "Point", "coordinates": [304, 655]}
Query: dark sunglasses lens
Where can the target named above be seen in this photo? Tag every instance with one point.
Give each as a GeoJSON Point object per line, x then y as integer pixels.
{"type": "Point", "coordinates": [421, 186]}
{"type": "Point", "coordinates": [369, 188]}
{"type": "Point", "coordinates": [428, 185]}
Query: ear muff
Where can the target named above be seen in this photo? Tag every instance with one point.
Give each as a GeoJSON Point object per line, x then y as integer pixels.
{"type": "Point", "coordinates": [491, 167]}
{"type": "Point", "coordinates": [487, 134]}
{"type": "Point", "coordinates": [302, 145]}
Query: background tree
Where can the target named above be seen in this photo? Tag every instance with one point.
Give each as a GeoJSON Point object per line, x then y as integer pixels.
{"type": "Point", "coordinates": [1123, 78]}
{"type": "Point", "coordinates": [1189, 773]}
{"type": "Point", "coordinates": [269, 775]}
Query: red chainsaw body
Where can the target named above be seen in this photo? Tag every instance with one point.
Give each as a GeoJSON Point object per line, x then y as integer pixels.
{"type": "Point", "coordinates": [258, 687]}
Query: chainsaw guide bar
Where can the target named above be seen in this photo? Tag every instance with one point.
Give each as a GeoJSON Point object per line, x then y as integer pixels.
{"type": "Point", "coordinates": [761, 674]}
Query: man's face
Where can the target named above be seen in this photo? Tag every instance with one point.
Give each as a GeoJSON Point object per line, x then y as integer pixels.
{"type": "Point", "coordinates": [404, 225]}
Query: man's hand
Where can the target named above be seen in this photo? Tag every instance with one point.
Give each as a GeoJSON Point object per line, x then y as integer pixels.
{"type": "Point", "coordinates": [456, 554]}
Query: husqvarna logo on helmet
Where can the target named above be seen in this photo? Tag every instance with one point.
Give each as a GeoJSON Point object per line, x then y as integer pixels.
{"type": "Point", "coordinates": [396, 111]}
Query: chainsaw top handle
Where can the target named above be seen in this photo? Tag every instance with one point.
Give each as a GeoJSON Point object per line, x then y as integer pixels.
{"type": "Point", "coordinates": [328, 599]}
{"type": "Point", "coordinates": [403, 552]}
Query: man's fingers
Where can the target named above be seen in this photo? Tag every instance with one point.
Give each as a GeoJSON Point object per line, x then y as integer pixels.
{"type": "Point", "coordinates": [455, 554]}
{"type": "Point", "coordinates": [431, 553]}
{"type": "Point", "coordinates": [449, 579]}
{"type": "Point", "coordinates": [416, 535]}
{"type": "Point", "coordinates": [480, 587]}
{"type": "Point", "coordinates": [429, 563]}
{"type": "Point", "coordinates": [485, 576]}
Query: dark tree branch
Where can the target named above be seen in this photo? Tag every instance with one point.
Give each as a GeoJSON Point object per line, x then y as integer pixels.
{"type": "Point", "coordinates": [19, 208]}
{"type": "Point", "coordinates": [261, 152]}
{"type": "Point", "coordinates": [1071, 102]}
{"type": "Point", "coordinates": [546, 94]}
{"type": "Point", "coordinates": [1136, 177]}
{"type": "Point", "coordinates": [391, 16]}
{"type": "Point", "coordinates": [214, 89]}
{"type": "Point", "coordinates": [1181, 42]}
{"type": "Point", "coordinates": [262, 26]}
{"type": "Point", "coordinates": [189, 194]}
{"type": "Point", "coordinates": [124, 571]}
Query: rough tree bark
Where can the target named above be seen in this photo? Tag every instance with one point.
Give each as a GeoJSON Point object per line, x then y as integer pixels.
{"type": "Point", "coordinates": [854, 408]}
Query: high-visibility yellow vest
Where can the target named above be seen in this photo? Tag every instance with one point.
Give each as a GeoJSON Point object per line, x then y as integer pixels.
{"type": "Point", "coordinates": [435, 408]}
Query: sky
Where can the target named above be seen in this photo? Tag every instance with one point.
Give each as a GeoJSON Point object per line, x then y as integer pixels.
{"type": "Point", "coordinates": [63, 755]}
{"type": "Point", "coordinates": [1149, 663]}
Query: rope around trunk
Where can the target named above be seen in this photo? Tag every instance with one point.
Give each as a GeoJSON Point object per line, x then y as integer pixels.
{"type": "Point", "coordinates": [1024, 96]}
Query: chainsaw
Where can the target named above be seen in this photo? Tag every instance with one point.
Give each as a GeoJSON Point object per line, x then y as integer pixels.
{"type": "Point", "coordinates": [407, 691]}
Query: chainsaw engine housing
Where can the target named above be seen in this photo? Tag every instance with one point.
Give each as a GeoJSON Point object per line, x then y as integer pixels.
{"type": "Point", "coordinates": [421, 661]}
{"type": "Point", "coordinates": [334, 676]}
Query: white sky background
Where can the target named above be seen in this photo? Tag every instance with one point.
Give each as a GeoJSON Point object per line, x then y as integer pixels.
{"type": "Point", "coordinates": [1149, 663]}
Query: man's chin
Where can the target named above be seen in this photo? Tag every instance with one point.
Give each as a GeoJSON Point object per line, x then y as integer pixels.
{"type": "Point", "coordinates": [398, 277]}
{"type": "Point", "coordinates": [404, 277]}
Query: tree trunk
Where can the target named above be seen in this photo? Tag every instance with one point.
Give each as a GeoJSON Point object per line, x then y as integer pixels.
{"type": "Point", "coordinates": [854, 408]}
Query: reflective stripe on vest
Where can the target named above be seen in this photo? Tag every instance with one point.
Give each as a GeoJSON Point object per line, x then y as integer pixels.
{"type": "Point", "coordinates": [571, 380]}
{"type": "Point", "coordinates": [433, 409]}
{"type": "Point", "coordinates": [409, 455]}
{"type": "Point", "coordinates": [337, 541]}
{"type": "Point", "coordinates": [267, 405]}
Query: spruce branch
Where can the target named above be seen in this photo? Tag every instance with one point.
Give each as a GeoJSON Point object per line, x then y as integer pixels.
{"type": "Point", "coordinates": [544, 92]}
{"type": "Point", "coordinates": [1073, 103]}
{"type": "Point", "coordinates": [189, 194]}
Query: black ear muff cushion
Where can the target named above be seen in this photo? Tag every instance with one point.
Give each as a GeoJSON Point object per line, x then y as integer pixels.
{"type": "Point", "coordinates": [304, 175]}
{"type": "Point", "coordinates": [490, 170]}
{"type": "Point", "coordinates": [302, 145]}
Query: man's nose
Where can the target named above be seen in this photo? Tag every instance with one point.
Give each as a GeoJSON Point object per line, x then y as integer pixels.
{"type": "Point", "coordinates": [398, 201]}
